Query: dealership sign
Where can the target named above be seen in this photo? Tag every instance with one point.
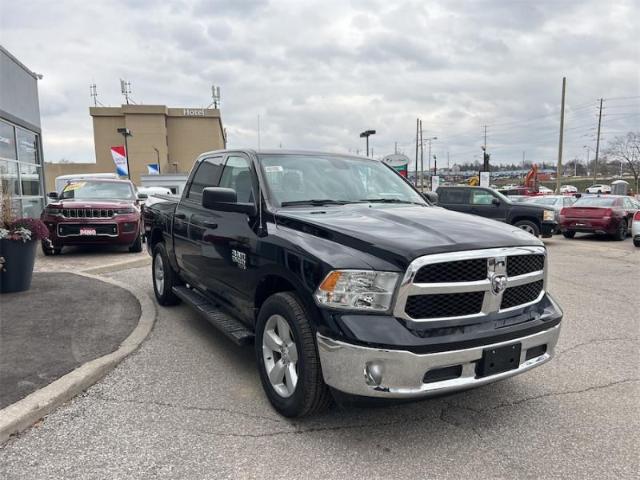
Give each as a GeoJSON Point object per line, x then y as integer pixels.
{"type": "Point", "coordinates": [120, 159]}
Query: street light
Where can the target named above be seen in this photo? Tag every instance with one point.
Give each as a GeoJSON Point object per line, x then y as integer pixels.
{"type": "Point", "coordinates": [366, 134]}
{"type": "Point", "coordinates": [588, 149]}
{"type": "Point", "coordinates": [125, 132]}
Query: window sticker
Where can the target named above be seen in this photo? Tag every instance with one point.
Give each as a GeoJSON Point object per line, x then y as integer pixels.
{"type": "Point", "coordinates": [273, 168]}
{"type": "Point", "coordinates": [73, 186]}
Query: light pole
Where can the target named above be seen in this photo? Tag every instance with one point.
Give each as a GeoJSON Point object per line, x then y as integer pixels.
{"type": "Point", "coordinates": [588, 149]}
{"type": "Point", "coordinates": [125, 132]}
{"type": "Point", "coordinates": [365, 135]}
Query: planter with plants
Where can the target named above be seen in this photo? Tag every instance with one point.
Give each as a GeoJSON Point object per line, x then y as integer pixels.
{"type": "Point", "coordinates": [18, 241]}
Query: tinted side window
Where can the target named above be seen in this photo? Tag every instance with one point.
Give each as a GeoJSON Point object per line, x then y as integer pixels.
{"type": "Point", "coordinates": [236, 175]}
{"type": "Point", "coordinates": [207, 175]}
{"type": "Point", "coordinates": [452, 196]}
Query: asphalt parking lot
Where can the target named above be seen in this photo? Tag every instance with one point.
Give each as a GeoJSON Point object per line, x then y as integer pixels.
{"type": "Point", "coordinates": [189, 404]}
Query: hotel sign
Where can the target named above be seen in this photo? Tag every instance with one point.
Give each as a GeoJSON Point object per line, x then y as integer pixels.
{"type": "Point", "coordinates": [193, 112]}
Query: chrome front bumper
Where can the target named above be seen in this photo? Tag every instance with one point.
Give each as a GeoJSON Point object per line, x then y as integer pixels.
{"type": "Point", "coordinates": [372, 372]}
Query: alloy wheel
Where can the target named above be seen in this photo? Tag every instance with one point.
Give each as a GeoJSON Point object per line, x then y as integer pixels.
{"type": "Point", "coordinates": [158, 273]}
{"type": "Point", "coordinates": [280, 355]}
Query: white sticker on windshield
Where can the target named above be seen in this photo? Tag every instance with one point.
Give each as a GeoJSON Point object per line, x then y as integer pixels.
{"type": "Point", "coordinates": [273, 168]}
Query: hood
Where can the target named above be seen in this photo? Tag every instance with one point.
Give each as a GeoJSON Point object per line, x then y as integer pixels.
{"type": "Point", "coordinates": [532, 207]}
{"type": "Point", "coordinates": [98, 203]}
{"type": "Point", "coordinates": [401, 233]}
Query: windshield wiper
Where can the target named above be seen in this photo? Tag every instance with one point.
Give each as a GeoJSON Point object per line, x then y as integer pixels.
{"type": "Point", "coordinates": [389, 200]}
{"type": "Point", "coordinates": [315, 202]}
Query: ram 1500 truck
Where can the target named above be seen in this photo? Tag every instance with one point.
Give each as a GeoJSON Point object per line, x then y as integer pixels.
{"type": "Point", "coordinates": [348, 281]}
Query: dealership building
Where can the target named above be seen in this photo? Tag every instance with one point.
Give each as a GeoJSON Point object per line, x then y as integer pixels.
{"type": "Point", "coordinates": [20, 136]}
{"type": "Point", "coordinates": [158, 139]}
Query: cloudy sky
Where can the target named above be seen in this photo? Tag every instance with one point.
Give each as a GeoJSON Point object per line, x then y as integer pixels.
{"type": "Point", "coordinates": [318, 73]}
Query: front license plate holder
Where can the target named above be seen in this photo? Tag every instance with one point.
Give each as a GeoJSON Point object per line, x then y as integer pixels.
{"type": "Point", "coordinates": [499, 359]}
{"type": "Point", "coordinates": [85, 231]}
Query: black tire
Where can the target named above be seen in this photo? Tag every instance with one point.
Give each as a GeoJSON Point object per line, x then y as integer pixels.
{"type": "Point", "coordinates": [528, 226]}
{"type": "Point", "coordinates": [311, 394]}
{"type": "Point", "coordinates": [621, 232]}
{"type": "Point", "coordinates": [569, 234]}
{"type": "Point", "coordinates": [164, 293]}
{"type": "Point", "coordinates": [636, 241]}
{"type": "Point", "coordinates": [49, 251]}
{"type": "Point", "coordinates": [137, 245]}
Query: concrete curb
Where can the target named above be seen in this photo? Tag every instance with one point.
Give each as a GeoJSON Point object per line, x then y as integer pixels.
{"type": "Point", "coordinates": [21, 415]}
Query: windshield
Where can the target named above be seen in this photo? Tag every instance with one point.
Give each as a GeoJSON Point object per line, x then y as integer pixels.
{"type": "Point", "coordinates": [595, 202]}
{"type": "Point", "coordinates": [325, 179]}
{"type": "Point", "coordinates": [85, 190]}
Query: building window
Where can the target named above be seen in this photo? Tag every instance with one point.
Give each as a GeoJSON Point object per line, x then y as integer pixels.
{"type": "Point", "coordinates": [21, 169]}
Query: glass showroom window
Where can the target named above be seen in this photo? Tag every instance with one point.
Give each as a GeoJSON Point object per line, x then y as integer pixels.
{"type": "Point", "coordinates": [20, 169]}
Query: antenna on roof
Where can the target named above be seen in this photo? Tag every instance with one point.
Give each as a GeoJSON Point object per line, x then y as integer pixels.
{"type": "Point", "coordinates": [125, 89]}
{"type": "Point", "coordinates": [93, 93]}
{"type": "Point", "coordinates": [215, 96]}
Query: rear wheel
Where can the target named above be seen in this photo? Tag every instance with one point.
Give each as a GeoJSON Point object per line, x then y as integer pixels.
{"type": "Point", "coordinates": [137, 245]}
{"type": "Point", "coordinates": [621, 232]}
{"type": "Point", "coordinates": [636, 241]}
{"type": "Point", "coordinates": [569, 234]}
{"type": "Point", "coordinates": [288, 359]}
{"type": "Point", "coordinates": [164, 277]}
{"type": "Point", "coordinates": [529, 227]}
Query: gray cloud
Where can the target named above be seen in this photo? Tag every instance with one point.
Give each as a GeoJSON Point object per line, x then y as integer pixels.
{"type": "Point", "coordinates": [318, 73]}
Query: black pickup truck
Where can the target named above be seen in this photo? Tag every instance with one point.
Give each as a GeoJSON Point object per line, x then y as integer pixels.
{"type": "Point", "coordinates": [349, 282]}
{"type": "Point", "coordinates": [486, 202]}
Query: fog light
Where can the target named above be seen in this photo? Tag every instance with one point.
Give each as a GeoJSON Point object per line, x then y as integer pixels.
{"type": "Point", "coordinates": [373, 373]}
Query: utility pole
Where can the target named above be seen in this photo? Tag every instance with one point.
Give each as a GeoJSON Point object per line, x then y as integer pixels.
{"type": "Point", "coordinates": [421, 159]}
{"type": "Point", "coordinates": [485, 155]}
{"type": "Point", "coordinates": [448, 166]}
{"type": "Point", "coordinates": [595, 170]}
{"type": "Point", "coordinates": [523, 161]}
{"type": "Point", "coordinates": [417, 140]}
{"type": "Point", "coordinates": [395, 149]}
{"type": "Point", "coordinates": [559, 167]}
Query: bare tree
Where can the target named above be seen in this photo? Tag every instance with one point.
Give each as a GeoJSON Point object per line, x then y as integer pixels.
{"type": "Point", "coordinates": [627, 149]}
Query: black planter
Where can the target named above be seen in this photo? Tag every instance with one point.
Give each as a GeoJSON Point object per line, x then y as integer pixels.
{"type": "Point", "coordinates": [19, 258]}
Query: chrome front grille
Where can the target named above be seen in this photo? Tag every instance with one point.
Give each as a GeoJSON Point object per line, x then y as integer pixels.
{"type": "Point", "coordinates": [88, 212]}
{"type": "Point", "coordinates": [454, 287]}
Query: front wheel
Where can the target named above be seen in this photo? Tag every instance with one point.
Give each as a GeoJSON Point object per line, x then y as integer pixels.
{"type": "Point", "coordinates": [529, 227]}
{"type": "Point", "coordinates": [164, 277]}
{"type": "Point", "coordinates": [636, 241]}
{"type": "Point", "coordinates": [288, 359]}
{"type": "Point", "coordinates": [137, 245]}
{"type": "Point", "coordinates": [569, 234]}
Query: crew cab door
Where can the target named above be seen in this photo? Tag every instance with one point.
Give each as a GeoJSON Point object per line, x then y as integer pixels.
{"type": "Point", "coordinates": [229, 248]}
{"type": "Point", "coordinates": [485, 204]}
{"type": "Point", "coordinates": [188, 226]}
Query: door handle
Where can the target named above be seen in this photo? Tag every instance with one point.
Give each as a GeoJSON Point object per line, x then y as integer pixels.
{"type": "Point", "coordinates": [211, 225]}
{"type": "Point", "coordinates": [180, 216]}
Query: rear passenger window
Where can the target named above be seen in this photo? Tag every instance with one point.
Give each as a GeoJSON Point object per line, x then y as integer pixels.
{"type": "Point", "coordinates": [452, 196]}
{"type": "Point", "coordinates": [207, 175]}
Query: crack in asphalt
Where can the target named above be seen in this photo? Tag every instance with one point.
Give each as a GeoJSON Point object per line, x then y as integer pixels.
{"type": "Point", "coordinates": [189, 407]}
{"type": "Point", "coordinates": [594, 341]}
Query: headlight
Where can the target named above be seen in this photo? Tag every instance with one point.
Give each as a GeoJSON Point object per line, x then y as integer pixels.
{"type": "Point", "coordinates": [357, 289]}
{"type": "Point", "coordinates": [122, 211]}
{"type": "Point", "coordinates": [549, 216]}
{"type": "Point", "coordinates": [52, 211]}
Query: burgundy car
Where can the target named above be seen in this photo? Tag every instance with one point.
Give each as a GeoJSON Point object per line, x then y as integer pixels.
{"type": "Point", "coordinates": [606, 214]}
{"type": "Point", "coordinates": [93, 212]}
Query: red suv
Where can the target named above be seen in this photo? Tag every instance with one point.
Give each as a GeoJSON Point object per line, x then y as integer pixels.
{"type": "Point", "coordinates": [93, 212]}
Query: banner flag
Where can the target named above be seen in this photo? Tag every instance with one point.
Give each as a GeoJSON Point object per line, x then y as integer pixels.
{"type": "Point", "coordinates": [120, 159]}
{"type": "Point", "coordinates": [153, 168]}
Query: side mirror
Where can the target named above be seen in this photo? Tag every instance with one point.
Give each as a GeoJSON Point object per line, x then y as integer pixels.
{"type": "Point", "coordinates": [225, 200]}
{"type": "Point", "coordinates": [496, 202]}
{"type": "Point", "coordinates": [52, 194]}
{"type": "Point", "coordinates": [142, 196]}
{"type": "Point", "coordinates": [431, 197]}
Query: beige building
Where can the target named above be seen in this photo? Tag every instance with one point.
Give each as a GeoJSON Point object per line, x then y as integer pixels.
{"type": "Point", "coordinates": [172, 137]}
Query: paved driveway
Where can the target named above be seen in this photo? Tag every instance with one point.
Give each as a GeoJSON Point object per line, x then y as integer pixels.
{"type": "Point", "coordinates": [188, 404]}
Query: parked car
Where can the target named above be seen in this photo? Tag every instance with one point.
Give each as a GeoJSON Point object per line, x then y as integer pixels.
{"type": "Point", "coordinates": [93, 212]}
{"type": "Point", "coordinates": [485, 202]}
{"type": "Point", "coordinates": [542, 190]}
{"type": "Point", "coordinates": [635, 229]}
{"type": "Point", "coordinates": [348, 281]}
{"type": "Point", "coordinates": [557, 202]}
{"type": "Point", "coordinates": [568, 189]}
{"type": "Point", "coordinates": [605, 215]}
{"type": "Point", "coordinates": [599, 188]}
